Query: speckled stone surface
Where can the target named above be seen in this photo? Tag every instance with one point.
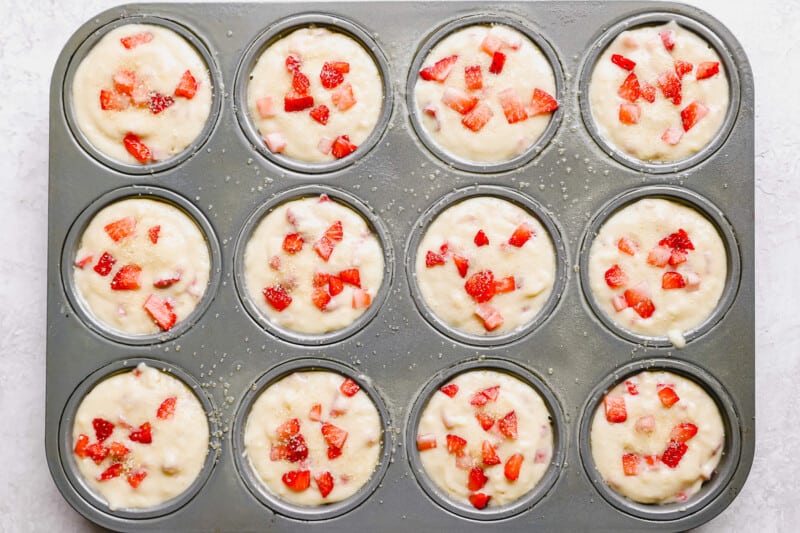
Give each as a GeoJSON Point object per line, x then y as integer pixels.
{"type": "Point", "coordinates": [32, 34]}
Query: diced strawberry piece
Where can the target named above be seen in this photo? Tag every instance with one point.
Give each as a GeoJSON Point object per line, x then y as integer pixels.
{"type": "Point", "coordinates": [102, 429]}
{"type": "Point", "coordinates": [490, 315]}
{"type": "Point", "coordinates": [124, 82]}
{"type": "Point", "coordinates": [692, 280]}
{"type": "Point", "coordinates": [335, 285]}
{"type": "Point", "coordinates": [633, 389]}
{"type": "Point", "coordinates": [541, 103]}
{"type": "Point", "coordinates": [97, 452]}
{"type": "Point", "coordinates": [506, 284]}
{"type": "Point", "coordinates": [292, 243]}
{"type": "Point", "coordinates": [458, 100]}
{"type": "Point", "coordinates": [476, 119]}
{"type": "Point", "coordinates": [645, 424]}
{"type": "Point", "coordinates": [616, 277]}
{"type": "Point", "coordinates": [670, 86]}
{"type": "Point", "coordinates": [132, 41]}
{"type": "Point", "coordinates": [616, 411]}
{"type": "Point", "coordinates": [682, 68]}
{"type": "Point", "coordinates": [81, 263]}
{"type": "Point", "coordinates": [672, 136]}
{"type": "Point", "coordinates": [464, 461]}
{"type": "Point", "coordinates": [161, 311]}
{"type": "Point", "coordinates": [440, 70]}
{"type": "Point", "coordinates": [288, 429]}
{"type": "Point", "coordinates": [321, 113]}
{"type": "Point", "coordinates": [619, 302]}
{"type": "Point", "coordinates": [300, 83]}
{"type": "Point", "coordinates": [639, 299]}
{"type": "Point", "coordinates": [187, 86]}
{"type": "Point", "coordinates": [683, 432]}
{"type": "Point", "coordinates": [627, 246]}
{"type": "Point", "coordinates": [296, 449]}
{"type": "Point", "coordinates": [455, 443]}
{"type": "Point", "coordinates": [159, 102]}
{"type": "Point", "coordinates": [118, 450]}
{"type": "Point", "coordinates": [489, 454]}
{"type": "Point", "coordinates": [143, 434]}
{"type": "Point", "coordinates": [111, 472]}
{"type": "Point", "coordinates": [163, 283]}
{"type": "Point", "coordinates": [127, 278]}
{"type": "Point", "coordinates": [498, 61]}
{"type": "Point", "coordinates": [485, 420]}
{"type": "Point", "coordinates": [105, 264]}
{"type": "Point", "coordinates": [342, 147]}
{"type": "Point", "coordinates": [325, 145]}
{"type": "Point", "coordinates": [648, 92]}
{"type": "Point", "coordinates": [630, 89]}
{"type": "Point", "coordinates": [668, 38]}
{"type": "Point", "coordinates": [297, 480]}
{"type": "Point", "coordinates": [80, 446]}
{"type": "Point", "coordinates": [629, 113]}
{"type": "Point", "coordinates": [691, 114]}
{"type": "Point", "coordinates": [462, 264]}
{"type": "Point", "coordinates": [512, 467]}
{"type": "Point", "coordinates": [324, 248]}
{"type": "Point", "coordinates": [140, 96]}
{"type": "Point", "coordinates": [659, 256]}
{"type": "Point", "coordinates": [167, 408]}
{"type": "Point", "coordinates": [450, 389]}
{"type": "Point", "coordinates": [277, 297]}
{"type": "Point", "coordinates": [491, 44]}
{"type": "Point", "coordinates": [361, 299]}
{"type": "Point", "coordinates": [668, 396]}
{"type": "Point", "coordinates": [320, 299]}
{"type": "Point", "coordinates": [672, 280]}
{"type": "Point", "coordinates": [706, 69]}
{"type": "Point", "coordinates": [349, 387]}
{"type": "Point", "coordinates": [315, 413]}
{"type": "Point", "coordinates": [330, 76]}
{"type": "Point", "coordinates": [119, 229]}
{"type": "Point", "coordinates": [333, 435]}
{"type": "Point", "coordinates": [521, 235]}
{"type": "Point", "coordinates": [266, 107]}
{"type": "Point", "coordinates": [297, 102]}
{"type": "Point", "coordinates": [630, 464]}
{"type": "Point", "coordinates": [334, 452]}
{"type": "Point", "coordinates": [479, 500]}
{"type": "Point", "coordinates": [426, 441]}
{"type": "Point", "coordinates": [473, 78]}
{"type": "Point", "coordinates": [651, 460]}
{"type": "Point", "coordinates": [481, 239]}
{"type": "Point", "coordinates": [113, 101]}
{"type": "Point", "coordinates": [512, 106]}
{"type": "Point", "coordinates": [674, 453]}
{"type": "Point", "coordinates": [342, 67]}
{"type": "Point", "coordinates": [433, 259]}
{"type": "Point", "coordinates": [153, 234]}
{"type": "Point", "coordinates": [623, 62]}
{"type": "Point", "coordinates": [343, 97]}
{"type": "Point", "coordinates": [293, 63]}
{"type": "Point", "coordinates": [480, 286]}
{"type": "Point", "coordinates": [137, 148]}
{"type": "Point", "coordinates": [351, 276]}
{"type": "Point", "coordinates": [677, 241]}
{"type": "Point", "coordinates": [477, 479]}
{"type": "Point", "coordinates": [136, 477]}
{"type": "Point", "coordinates": [324, 482]}
{"type": "Point", "coordinates": [508, 425]}
{"type": "Point", "coordinates": [335, 232]}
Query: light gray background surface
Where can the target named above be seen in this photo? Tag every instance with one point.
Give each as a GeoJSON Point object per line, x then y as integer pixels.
{"type": "Point", "coordinates": [32, 34]}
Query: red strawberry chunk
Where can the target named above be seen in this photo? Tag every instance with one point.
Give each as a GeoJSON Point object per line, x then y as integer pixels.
{"type": "Point", "coordinates": [153, 233]}
{"type": "Point", "coordinates": [135, 147]}
{"type": "Point", "coordinates": [105, 264]}
{"type": "Point", "coordinates": [266, 107]}
{"type": "Point", "coordinates": [506, 284]}
{"type": "Point", "coordinates": [672, 280]}
{"type": "Point", "coordinates": [476, 119]}
{"type": "Point", "coordinates": [277, 297]}
{"type": "Point", "coordinates": [297, 102]}
{"type": "Point", "coordinates": [485, 420]}
{"type": "Point", "coordinates": [324, 248]}
{"type": "Point", "coordinates": [481, 239]}
{"type": "Point", "coordinates": [672, 136]}
{"type": "Point", "coordinates": [80, 446]}
{"type": "Point", "coordinates": [458, 100]}
{"type": "Point", "coordinates": [450, 389]}
{"type": "Point", "coordinates": [330, 76]}
{"type": "Point", "coordinates": [670, 86]}
{"type": "Point", "coordinates": [297, 480]}
{"type": "Point", "coordinates": [630, 89]}
{"type": "Point", "coordinates": [462, 264]}
{"type": "Point", "coordinates": [489, 454]}
{"type": "Point", "coordinates": [477, 479]}
{"type": "Point", "coordinates": [361, 299]}
{"type": "Point", "coordinates": [512, 106]}
{"type": "Point", "coordinates": [648, 92]}
{"type": "Point", "coordinates": [118, 450]}
{"type": "Point", "coordinates": [707, 69]}
{"type": "Point", "coordinates": [187, 86]}
{"type": "Point", "coordinates": [541, 103]}
{"type": "Point", "coordinates": [491, 44]}
{"type": "Point", "coordinates": [426, 441]}
{"type": "Point", "coordinates": [321, 299]}
{"type": "Point", "coordinates": [334, 452]}
{"type": "Point", "coordinates": [440, 70]}
{"type": "Point", "coordinates": [627, 246]}
{"type": "Point", "coordinates": [161, 311]}
{"type": "Point", "coordinates": [351, 276]}
{"type": "Point", "coordinates": [324, 482]}
{"type": "Point", "coordinates": [480, 286]}
{"type": "Point", "coordinates": [300, 83]}
{"type": "Point", "coordinates": [633, 390]}
{"type": "Point", "coordinates": [349, 387]}
{"type": "Point", "coordinates": [616, 277]}
{"type": "Point", "coordinates": [682, 68]}
{"type": "Point", "coordinates": [498, 61]}
{"type": "Point", "coordinates": [111, 472]}
{"type": "Point", "coordinates": [342, 67]}
{"type": "Point", "coordinates": [622, 62]}
{"type": "Point", "coordinates": [691, 114]}
{"type": "Point", "coordinates": [683, 432]}
{"type": "Point", "coordinates": [143, 434]}
{"type": "Point", "coordinates": [321, 113]}
{"type": "Point", "coordinates": [674, 453]}
{"type": "Point", "coordinates": [508, 425]}
{"type": "Point", "coordinates": [343, 97]}
{"type": "Point", "coordinates": [479, 500]}
{"type": "Point", "coordinates": [315, 413]}
{"type": "Point", "coordinates": [677, 241]}
{"type": "Point", "coordinates": [167, 408]}
{"type": "Point", "coordinates": [288, 429]}
{"type": "Point", "coordinates": [668, 38]}
{"type": "Point", "coordinates": [521, 235]}
{"type": "Point", "coordinates": [292, 243]}
{"type": "Point", "coordinates": [659, 256]}
{"type": "Point", "coordinates": [335, 285]}
{"type": "Point", "coordinates": [342, 147]}
{"type": "Point", "coordinates": [102, 429]}
{"type": "Point", "coordinates": [97, 452]}
{"type": "Point", "coordinates": [127, 278]}
{"type": "Point", "coordinates": [163, 283]}
{"type": "Point", "coordinates": [668, 396]}
{"type": "Point", "coordinates": [321, 279]}
{"type": "Point", "coordinates": [335, 232]}
{"type": "Point", "coordinates": [629, 113]}
{"type": "Point", "coordinates": [159, 102]}
{"type": "Point", "coordinates": [512, 467]}
{"type": "Point", "coordinates": [112, 101]}
{"type": "Point", "coordinates": [484, 396]}
{"type": "Point", "coordinates": [119, 229]}
{"type": "Point", "coordinates": [136, 477]}
{"type": "Point", "coordinates": [433, 259]}
{"type": "Point", "coordinates": [630, 464]}
{"type": "Point", "coordinates": [81, 263]}
{"type": "Point", "coordinates": [124, 82]}
{"type": "Point", "coordinates": [455, 443]}
{"type": "Point", "coordinates": [293, 449]}
{"type": "Point", "coordinates": [616, 412]}
{"type": "Point", "coordinates": [490, 315]}
{"type": "Point", "coordinates": [473, 78]}
{"type": "Point", "coordinates": [132, 41]}
{"type": "Point", "coordinates": [293, 63]}
{"type": "Point", "coordinates": [639, 299]}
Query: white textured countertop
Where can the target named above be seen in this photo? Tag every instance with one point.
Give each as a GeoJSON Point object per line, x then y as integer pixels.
{"type": "Point", "coordinates": [32, 35]}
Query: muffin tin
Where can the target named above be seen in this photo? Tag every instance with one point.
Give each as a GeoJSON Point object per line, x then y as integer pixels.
{"type": "Point", "coordinates": [570, 181]}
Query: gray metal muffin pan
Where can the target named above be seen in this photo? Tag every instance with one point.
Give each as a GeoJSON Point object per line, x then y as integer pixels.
{"type": "Point", "coordinates": [572, 354]}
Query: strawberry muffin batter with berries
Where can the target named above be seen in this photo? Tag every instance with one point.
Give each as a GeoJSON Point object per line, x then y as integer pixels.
{"type": "Point", "coordinates": [142, 265]}
{"type": "Point", "coordinates": [658, 268]}
{"type": "Point", "coordinates": [485, 93]}
{"type": "Point", "coordinates": [657, 437]}
{"type": "Point", "coordinates": [142, 94]}
{"type": "Point", "coordinates": [315, 95]}
{"type": "Point", "coordinates": [485, 266]}
{"type": "Point", "coordinates": [313, 265]}
{"type": "Point", "coordinates": [485, 438]}
{"type": "Point", "coordinates": [140, 438]}
{"type": "Point", "coordinates": [659, 93]}
{"type": "Point", "coordinates": [313, 438]}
